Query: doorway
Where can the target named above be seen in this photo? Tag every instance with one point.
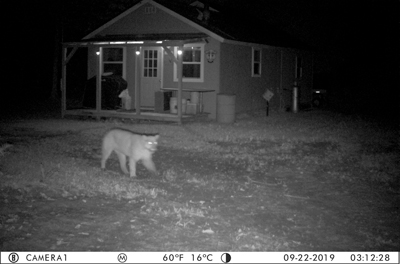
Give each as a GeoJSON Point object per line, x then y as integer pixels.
{"type": "Point", "coordinates": [150, 75]}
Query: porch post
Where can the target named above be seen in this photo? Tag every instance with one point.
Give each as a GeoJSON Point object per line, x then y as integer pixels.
{"type": "Point", "coordinates": [179, 103]}
{"type": "Point", "coordinates": [137, 83]}
{"type": "Point", "coordinates": [98, 81]}
{"type": "Point", "coordinates": [64, 82]}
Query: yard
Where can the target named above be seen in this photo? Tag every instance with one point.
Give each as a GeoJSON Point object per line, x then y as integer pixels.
{"type": "Point", "coordinates": [288, 182]}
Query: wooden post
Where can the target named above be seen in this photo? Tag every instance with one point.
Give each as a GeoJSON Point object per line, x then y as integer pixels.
{"type": "Point", "coordinates": [65, 59]}
{"type": "Point", "coordinates": [137, 82]}
{"type": "Point", "coordinates": [179, 103]}
{"type": "Point", "coordinates": [178, 61]}
{"type": "Point", "coordinates": [98, 83]}
{"type": "Point", "coordinates": [64, 82]}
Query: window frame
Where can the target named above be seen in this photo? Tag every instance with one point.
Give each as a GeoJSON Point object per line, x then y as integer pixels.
{"type": "Point", "coordinates": [202, 61]}
{"type": "Point", "coordinates": [254, 62]}
{"type": "Point", "coordinates": [123, 62]}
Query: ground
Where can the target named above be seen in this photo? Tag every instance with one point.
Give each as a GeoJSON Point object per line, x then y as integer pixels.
{"type": "Point", "coordinates": [315, 181]}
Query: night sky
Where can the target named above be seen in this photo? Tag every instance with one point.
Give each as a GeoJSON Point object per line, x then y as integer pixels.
{"type": "Point", "coordinates": [356, 42]}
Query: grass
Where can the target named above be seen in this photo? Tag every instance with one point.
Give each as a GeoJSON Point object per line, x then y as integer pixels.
{"type": "Point", "coordinates": [255, 145]}
{"type": "Point", "coordinates": [232, 187]}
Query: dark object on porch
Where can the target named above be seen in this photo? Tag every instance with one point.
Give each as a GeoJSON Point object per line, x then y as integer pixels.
{"type": "Point", "coordinates": [162, 99]}
{"type": "Point", "coordinates": [111, 87]}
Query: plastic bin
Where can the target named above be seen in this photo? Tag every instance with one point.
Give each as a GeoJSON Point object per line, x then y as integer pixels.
{"type": "Point", "coordinates": [173, 103]}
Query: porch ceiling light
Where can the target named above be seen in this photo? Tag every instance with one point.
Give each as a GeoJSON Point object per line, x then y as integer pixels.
{"type": "Point", "coordinates": [97, 53]}
{"type": "Point", "coordinates": [137, 52]}
{"type": "Point", "coordinates": [180, 52]}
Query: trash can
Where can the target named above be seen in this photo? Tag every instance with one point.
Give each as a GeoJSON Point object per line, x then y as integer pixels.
{"type": "Point", "coordinates": [226, 108]}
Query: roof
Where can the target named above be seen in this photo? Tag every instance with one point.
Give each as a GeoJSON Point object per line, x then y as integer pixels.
{"type": "Point", "coordinates": [232, 24]}
{"type": "Point", "coordinates": [151, 37]}
{"type": "Point", "coordinates": [221, 23]}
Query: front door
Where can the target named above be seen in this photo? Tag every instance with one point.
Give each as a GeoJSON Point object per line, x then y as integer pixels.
{"type": "Point", "coordinates": [151, 75]}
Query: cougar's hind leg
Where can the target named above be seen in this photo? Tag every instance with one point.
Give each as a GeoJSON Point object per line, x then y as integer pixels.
{"type": "Point", "coordinates": [105, 154]}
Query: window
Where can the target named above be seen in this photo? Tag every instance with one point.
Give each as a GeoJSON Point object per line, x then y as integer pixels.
{"type": "Point", "coordinates": [192, 64]}
{"type": "Point", "coordinates": [256, 63]}
{"type": "Point", "coordinates": [113, 61]}
{"type": "Point", "coordinates": [150, 63]}
{"type": "Point", "coordinates": [150, 10]}
{"type": "Point", "coordinates": [299, 68]}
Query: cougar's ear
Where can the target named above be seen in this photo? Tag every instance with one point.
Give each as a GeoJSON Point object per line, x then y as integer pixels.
{"type": "Point", "coordinates": [157, 136]}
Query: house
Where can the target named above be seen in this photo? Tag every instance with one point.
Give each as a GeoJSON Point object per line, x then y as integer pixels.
{"type": "Point", "coordinates": [194, 51]}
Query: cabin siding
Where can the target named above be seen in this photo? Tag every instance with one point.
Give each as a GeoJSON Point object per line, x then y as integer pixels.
{"type": "Point", "coordinates": [277, 74]}
{"type": "Point", "coordinates": [138, 22]}
{"type": "Point", "coordinates": [236, 77]}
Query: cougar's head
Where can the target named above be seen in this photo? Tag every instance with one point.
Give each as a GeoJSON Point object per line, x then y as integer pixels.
{"type": "Point", "coordinates": [151, 142]}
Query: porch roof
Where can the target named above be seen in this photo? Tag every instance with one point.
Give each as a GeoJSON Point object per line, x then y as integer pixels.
{"type": "Point", "coordinates": [169, 39]}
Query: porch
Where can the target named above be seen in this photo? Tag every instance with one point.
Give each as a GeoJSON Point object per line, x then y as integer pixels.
{"type": "Point", "coordinates": [136, 43]}
{"type": "Point", "coordinates": [124, 114]}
